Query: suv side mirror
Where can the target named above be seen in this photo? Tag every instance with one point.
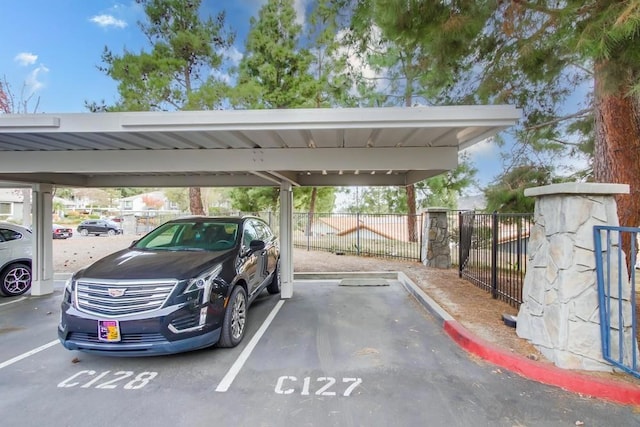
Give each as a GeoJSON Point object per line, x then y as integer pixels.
{"type": "Point", "coordinates": [256, 245]}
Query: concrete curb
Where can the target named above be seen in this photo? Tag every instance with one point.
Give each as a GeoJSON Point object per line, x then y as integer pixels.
{"type": "Point", "coordinates": [617, 392]}
{"type": "Point", "coordinates": [613, 391]}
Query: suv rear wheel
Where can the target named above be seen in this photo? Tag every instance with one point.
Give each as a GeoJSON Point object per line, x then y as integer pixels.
{"type": "Point", "coordinates": [16, 280]}
{"type": "Point", "coordinates": [84, 232]}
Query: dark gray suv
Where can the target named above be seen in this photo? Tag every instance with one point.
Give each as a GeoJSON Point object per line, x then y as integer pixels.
{"type": "Point", "coordinates": [185, 285]}
{"type": "Point", "coordinates": [99, 226]}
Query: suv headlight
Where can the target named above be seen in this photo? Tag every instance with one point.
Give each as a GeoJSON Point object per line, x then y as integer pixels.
{"type": "Point", "coordinates": [68, 290]}
{"type": "Point", "coordinates": [204, 281]}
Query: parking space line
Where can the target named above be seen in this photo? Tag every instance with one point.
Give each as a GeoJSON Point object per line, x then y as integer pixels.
{"type": "Point", "coordinates": [28, 353]}
{"type": "Point", "coordinates": [11, 302]}
{"type": "Point", "coordinates": [237, 365]}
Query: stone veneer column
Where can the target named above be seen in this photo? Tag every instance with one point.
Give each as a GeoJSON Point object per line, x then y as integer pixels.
{"type": "Point", "coordinates": [559, 314]}
{"type": "Point", "coordinates": [435, 249]}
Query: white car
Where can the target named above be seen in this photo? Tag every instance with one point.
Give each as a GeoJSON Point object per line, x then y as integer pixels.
{"type": "Point", "coordinates": [15, 259]}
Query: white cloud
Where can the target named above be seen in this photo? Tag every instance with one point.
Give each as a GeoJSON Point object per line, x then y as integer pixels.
{"type": "Point", "coordinates": [108, 21]}
{"type": "Point", "coordinates": [221, 76]}
{"type": "Point", "coordinates": [482, 148]}
{"type": "Point", "coordinates": [234, 55]}
{"type": "Point", "coordinates": [34, 80]}
{"type": "Point", "coordinates": [26, 58]}
{"type": "Point", "coordinates": [358, 64]}
{"type": "Point", "coordinates": [300, 8]}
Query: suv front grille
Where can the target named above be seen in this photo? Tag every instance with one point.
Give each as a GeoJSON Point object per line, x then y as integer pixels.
{"type": "Point", "coordinates": [120, 298]}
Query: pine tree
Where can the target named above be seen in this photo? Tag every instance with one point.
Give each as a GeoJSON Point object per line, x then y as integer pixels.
{"type": "Point", "coordinates": [176, 73]}
{"type": "Point", "coordinates": [537, 55]}
{"type": "Point", "coordinates": [274, 71]}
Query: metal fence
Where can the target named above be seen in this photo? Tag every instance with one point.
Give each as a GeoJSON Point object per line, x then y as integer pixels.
{"type": "Point", "coordinates": [375, 235]}
{"type": "Point", "coordinates": [616, 252]}
{"type": "Point", "coordinates": [141, 222]}
{"type": "Point", "coordinates": [492, 251]}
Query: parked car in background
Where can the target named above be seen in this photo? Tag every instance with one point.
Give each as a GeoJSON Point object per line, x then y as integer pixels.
{"type": "Point", "coordinates": [98, 227]}
{"type": "Point", "coordinates": [15, 259]}
{"type": "Point", "coordinates": [60, 232]}
{"type": "Point", "coordinates": [185, 285]}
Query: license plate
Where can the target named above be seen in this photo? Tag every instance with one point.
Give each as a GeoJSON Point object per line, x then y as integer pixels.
{"type": "Point", "coordinates": [108, 330]}
{"type": "Point", "coordinates": [65, 234]}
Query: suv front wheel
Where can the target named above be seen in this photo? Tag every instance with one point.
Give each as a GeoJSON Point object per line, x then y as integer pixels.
{"type": "Point", "coordinates": [235, 318]}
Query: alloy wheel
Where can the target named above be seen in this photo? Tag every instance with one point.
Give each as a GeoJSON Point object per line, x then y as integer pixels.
{"type": "Point", "coordinates": [18, 280]}
{"type": "Point", "coordinates": [238, 316]}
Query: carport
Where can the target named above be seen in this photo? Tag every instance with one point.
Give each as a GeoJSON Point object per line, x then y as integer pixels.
{"type": "Point", "coordinates": [284, 148]}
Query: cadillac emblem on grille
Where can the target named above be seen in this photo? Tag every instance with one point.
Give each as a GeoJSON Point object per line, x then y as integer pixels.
{"type": "Point", "coordinates": [116, 292]}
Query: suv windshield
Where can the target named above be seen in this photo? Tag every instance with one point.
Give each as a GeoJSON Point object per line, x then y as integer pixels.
{"type": "Point", "coordinates": [194, 236]}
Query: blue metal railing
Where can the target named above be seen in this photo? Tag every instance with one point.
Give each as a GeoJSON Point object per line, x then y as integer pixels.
{"type": "Point", "coordinates": [617, 294]}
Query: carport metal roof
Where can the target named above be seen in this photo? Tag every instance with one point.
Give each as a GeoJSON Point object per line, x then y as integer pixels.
{"type": "Point", "coordinates": [314, 147]}
{"type": "Point", "coordinates": [307, 147]}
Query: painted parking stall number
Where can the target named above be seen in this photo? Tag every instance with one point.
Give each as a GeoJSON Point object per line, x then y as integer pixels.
{"type": "Point", "coordinates": [321, 386]}
{"type": "Point", "coordinates": [108, 380]}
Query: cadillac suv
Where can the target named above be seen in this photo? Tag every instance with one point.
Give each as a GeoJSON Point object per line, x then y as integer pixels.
{"type": "Point", "coordinates": [185, 285]}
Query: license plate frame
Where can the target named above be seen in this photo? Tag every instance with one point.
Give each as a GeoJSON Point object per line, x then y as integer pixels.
{"type": "Point", "coordinates": [109, 331]}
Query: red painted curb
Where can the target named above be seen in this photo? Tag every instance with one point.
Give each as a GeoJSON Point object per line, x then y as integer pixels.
{"type": "Point", "coordinates": [617, 392]}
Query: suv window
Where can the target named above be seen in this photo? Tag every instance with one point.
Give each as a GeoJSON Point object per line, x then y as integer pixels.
{"type": "Point", "coordinates": [263, 231]}
{"type": "Point", "coordinates": [249, 234]}
{"type": "Point", "coordinates": [6, 235]}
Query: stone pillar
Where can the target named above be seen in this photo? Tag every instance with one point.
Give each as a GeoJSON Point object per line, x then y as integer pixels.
{"type": "Point", "coordinates": [559, 314]}
{"type": "Point", "coordinates": [435, 248]}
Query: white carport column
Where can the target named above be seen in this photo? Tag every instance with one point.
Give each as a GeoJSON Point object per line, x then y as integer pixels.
{"type": "Point", "coordinates": [42, 261]}
{"type": "Point", "coordinates": [286, 240]}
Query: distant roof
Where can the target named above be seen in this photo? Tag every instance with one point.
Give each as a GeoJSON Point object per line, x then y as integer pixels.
{"type": "Point", "coordinates": [389, 226]}
{"type": "Point", "coordinates": [307, 147]}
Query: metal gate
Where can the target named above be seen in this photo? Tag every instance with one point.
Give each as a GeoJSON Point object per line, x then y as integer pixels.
{"type": "Point", "coordinates": [616, 252]}
{"type": "Point", "coordinates": [466, 220]}
{"type": "Point", "coordinates": [493, 252]}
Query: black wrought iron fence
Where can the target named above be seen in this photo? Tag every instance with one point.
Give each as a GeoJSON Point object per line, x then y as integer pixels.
{"type": "Point", "coordinates": [491, 252]}
{"type": "Point", "coordinates": [375, 235]}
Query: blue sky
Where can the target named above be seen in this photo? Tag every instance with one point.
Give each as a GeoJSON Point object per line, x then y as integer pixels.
{"type": "Point", "coordinates": [51, 50]}
{"type": "Point", "coordinates": [53, 47]}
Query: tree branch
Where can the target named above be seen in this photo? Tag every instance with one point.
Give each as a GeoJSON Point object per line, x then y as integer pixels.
{"type": "Point", "coordinates": [580, 113]}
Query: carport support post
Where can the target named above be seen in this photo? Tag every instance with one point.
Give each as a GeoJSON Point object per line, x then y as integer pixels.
{"type": "Point", "coordinates": [42, 260]}
{"type": "Point", "coordinates": [286, 240]}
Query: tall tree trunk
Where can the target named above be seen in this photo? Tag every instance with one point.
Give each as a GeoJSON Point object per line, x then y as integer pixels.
{"type": "Point", "coordinates": [617, 151]}
{"type": "Point", "coordinates": [312, 210]}
{"type": "Point", "coordinates": [411, 208]}
{"type": "Point", "coordinates": [195, 201]}
{"type": "Point", "coordinates": [411, 189]}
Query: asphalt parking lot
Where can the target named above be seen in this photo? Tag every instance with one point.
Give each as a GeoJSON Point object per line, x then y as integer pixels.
{"type": "Point", "coordinates": [330, 356]}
